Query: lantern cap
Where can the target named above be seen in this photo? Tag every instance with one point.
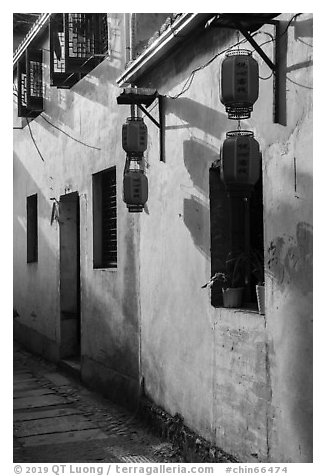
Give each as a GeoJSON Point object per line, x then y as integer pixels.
{"type": "Point", "coordinates": [237, 111]}
{"type": "Point", "coordinates": [240, 133]}
{"type": "Point", "coordinates": [239, 53]}
{"type": "Point", "coordinates": [135, 118]}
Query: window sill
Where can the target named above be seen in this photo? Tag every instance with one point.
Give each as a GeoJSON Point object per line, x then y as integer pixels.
{"type": "Point", "coordinates": [247, 308]}
{"type": "Point", "coordinates": [114, 270]}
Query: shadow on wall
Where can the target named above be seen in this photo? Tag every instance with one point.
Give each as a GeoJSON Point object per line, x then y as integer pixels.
{"type": "Point", "coordinates": [115, 346]}
{"type": "Point", "coordinates": [303, 29]}
{"type": "Point", "coordinates": [196, 219]}
{"type": "Point", "coordinates": [29, 303]}
{"type": "Point", "coordinates": [198, 115]}
{"type": "Point", "coordinates": [63, 106]}
{"type": "Point", "coordinates": [93, 86]}
{"type": "Point", "coordinates": [198, 157]}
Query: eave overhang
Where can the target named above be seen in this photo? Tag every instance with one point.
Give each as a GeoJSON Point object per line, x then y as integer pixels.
{"type": "Point", "coordinates": [38, 27]}
{"type": "Point", "coordinates": [177, 32]}
{"type": "Point", "coordinates": [160, 47]}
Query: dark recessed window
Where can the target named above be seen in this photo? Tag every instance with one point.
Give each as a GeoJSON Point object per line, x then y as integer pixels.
{"type": "Point", "coordinates": [30, 84]}
{"type": "Point", "coordinates": [236, 224]}
{"type": "Point", "coordinates": [31, 205]}
{"type": "Point", "coordinates": [78, 43]}
{"type": "Point", "coordinates": [105, 219]}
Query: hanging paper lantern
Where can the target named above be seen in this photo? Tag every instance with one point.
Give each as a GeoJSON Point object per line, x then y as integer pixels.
{"type": "Point", "coordinates": [135, 187]}
{"type": "Point", "coordinates": [240, 159]}
{"type": "Point", "coordinates": [134, 136]}
{"type": "Point", "coordinates": [239, 83]}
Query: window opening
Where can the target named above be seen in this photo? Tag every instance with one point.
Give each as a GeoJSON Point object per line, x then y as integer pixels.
{"type": "Point", "coordinates": [236, 228]}
{"type": "Point", "coordinates": [32, 234]}
{"type": "Point", "coordinates": [78, 43]}
{"type": "Point", "coordinates": [105, 219]}
{"type": "Point", "coordinates": [30, 84]}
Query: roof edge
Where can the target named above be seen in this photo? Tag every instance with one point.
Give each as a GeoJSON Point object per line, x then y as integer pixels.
{"type": "Point", "coordinates": [36, 29]}
{"type": "Point", "coordinates": [169, 38]}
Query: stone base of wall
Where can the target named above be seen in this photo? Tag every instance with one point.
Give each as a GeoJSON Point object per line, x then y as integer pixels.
{"type": "Point", "coordinates": [190, 447]}
{"type": "Point", "coordinates": [36, 342]}
{"type": "Point", "coordinates": [117, 387]}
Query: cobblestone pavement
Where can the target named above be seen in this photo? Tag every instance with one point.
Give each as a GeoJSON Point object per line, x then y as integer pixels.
{"type": "Point", "coordinates": [57, 419]}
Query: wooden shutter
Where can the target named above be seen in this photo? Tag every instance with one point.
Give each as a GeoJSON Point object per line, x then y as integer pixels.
{"type": "Point", "coordinates": [109, 219]}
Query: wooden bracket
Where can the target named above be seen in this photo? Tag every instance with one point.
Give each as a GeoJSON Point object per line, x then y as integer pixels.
{"type": "Point", "coordinates": [145, 97]}
{"type": "Point", "coordinates": [234, 22]}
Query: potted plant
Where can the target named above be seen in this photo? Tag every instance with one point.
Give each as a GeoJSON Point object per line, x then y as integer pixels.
{"type": "Point", "coordinates": [257, 262]}
{"type": "Point", "coordinates": [232, 279]}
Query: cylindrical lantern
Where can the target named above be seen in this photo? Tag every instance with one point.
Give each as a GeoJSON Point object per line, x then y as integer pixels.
{"type": "Point", "coordinates": [239, 83]}
{"type": "Point", "coordinates": [240, 160]}
{"type": "Point", "coordinates": [134, 136]}
{"type": "Point", "coordinates": [135, 188]}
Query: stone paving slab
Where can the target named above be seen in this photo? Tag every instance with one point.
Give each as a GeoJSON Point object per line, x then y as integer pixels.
{"type": "Point", "coordinates": [57, 419]}
{"type": "Point", "coordinates": [39, 413]}
{"type": "Point", "coordinates": [24, 379]}
{"type": "Point", "coordinates": [22, 373]}
{"type": "Point", "coordinates": [27, 385]}
{"type": "Point", "coordinates": [35, 392]}
{"type": "Point", "coordinates": [41, 401]}
{"type": "Point", "coordinates": [64, 423]}
{"type": "Point", "coordinates": [63, 437]}
{"type": "Point", "coordinates": [97, 451]}
{"type": "Point", "coordinates": [57, 379]}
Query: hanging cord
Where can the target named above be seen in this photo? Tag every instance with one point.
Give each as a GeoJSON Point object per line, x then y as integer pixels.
{"type": "Point", "coordinates": [190, 79]}
{"type": "Point", "coordinates": [68, 135]}
{"type": "Point", "coordinates": [34, 141]}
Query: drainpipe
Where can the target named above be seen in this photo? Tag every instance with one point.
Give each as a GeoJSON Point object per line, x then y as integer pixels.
{"type": "Point", "coordinates": [132, 39]}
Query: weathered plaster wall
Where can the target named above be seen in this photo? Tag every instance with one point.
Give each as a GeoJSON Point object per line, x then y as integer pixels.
{"type": "Point", "coordinates": [239, 379]}
{"type": "Point", "coordinates": [253, 396]}
{"type": "Point", "coordinates": [109, 298]}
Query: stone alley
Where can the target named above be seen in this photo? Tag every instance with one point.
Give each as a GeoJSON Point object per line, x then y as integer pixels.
{"type": "Point", "coordinates": [56, 419]}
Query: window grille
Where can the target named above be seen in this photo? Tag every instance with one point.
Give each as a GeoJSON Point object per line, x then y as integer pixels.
{"type": "Point", "coordinates": [109, 219]}
{"type": "Point", "coordinates": [78, 43]}
{"type": "Point", "coordinates": [30, 84]}
{"type": "Point", "coordinates": [32, 235]}
{"type": "Point", "coordinates": [105, 219]}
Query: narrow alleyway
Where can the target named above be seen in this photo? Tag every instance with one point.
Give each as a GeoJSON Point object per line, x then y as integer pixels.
{"type": "Point", "coordinates": [56, 419]}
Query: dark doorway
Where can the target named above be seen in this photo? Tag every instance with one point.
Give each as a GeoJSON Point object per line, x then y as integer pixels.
{"type": "Point", "coordinates": [69, 276]}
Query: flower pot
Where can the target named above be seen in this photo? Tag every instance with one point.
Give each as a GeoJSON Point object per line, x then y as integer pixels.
{"type": "Point", "coordinates": [260, 291]}
{"type": "Point", "coordinates": [232, 297]}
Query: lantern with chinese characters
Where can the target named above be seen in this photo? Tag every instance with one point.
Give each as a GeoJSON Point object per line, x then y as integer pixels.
{"type": "Point", "coordinates": [134, 136]}
{"type": "Point", "coordinates": [135, 186]}
{"type": "Point", "coordinates": [240, 160]}
{"type": "Point", "coordinates": [239, 83]}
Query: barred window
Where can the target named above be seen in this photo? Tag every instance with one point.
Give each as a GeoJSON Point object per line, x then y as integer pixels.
{"type": "Point", "coordinates": [105, 219]}
{"type": "Point", "coordinates": [30, 84]}
{"type": "Point", "coordinates": [78, 43]}
{"type": "Point", "coordinates": [31, 210]}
